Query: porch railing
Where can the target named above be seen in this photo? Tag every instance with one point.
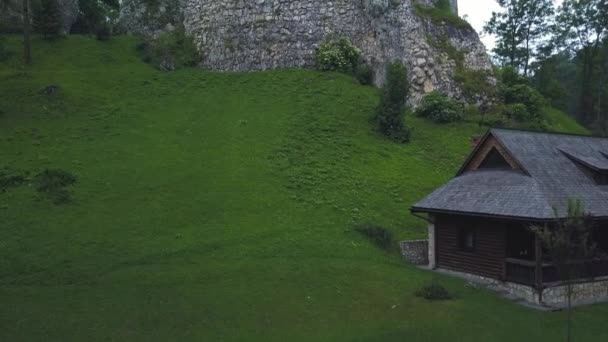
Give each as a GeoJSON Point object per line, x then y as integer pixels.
{"type": "Point", "coordinates": [524, 271]}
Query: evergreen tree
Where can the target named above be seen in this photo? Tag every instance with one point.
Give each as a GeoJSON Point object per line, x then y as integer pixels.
{"type": "Point", "coordinates": [391, 111]}
{"type": "Point", "coordinates": [47, 19]}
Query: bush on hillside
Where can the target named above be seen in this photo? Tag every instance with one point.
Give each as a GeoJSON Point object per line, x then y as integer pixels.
{"type": "Point", "coordinates": [364, 74]}
{"type": "Point", "coordinates": [433, 291]}
{"type": "Point", "coordinates": [10, 178]}
{"type": "Point", "coordinates": [47, 19]}
{"type": "Point", "coordinates": [391, 110]}
{"type": "Point", "coordinates": [439, 108]}
{"type": "Point", "coordinates": [54, 184]}
{"type": "Point", "coordinates": [378, 235]}
{"type": "Point", "coordinates": [170, 50]}
{"type": "Point", "coordinates": [4, 52]}
{"type": "Point", "coordinates": [103, 31]}
{"type": "Point", "coordinates": [337, 54]}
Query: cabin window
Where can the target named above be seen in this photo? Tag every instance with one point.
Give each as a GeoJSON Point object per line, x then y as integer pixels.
{"type": "Point", "coordinates": [494, 160]}
{"type": "Point", "coordinates": [467, 239]}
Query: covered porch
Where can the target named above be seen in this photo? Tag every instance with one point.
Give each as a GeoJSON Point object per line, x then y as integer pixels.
{"type": "Point", "coordinates": [528, 263]}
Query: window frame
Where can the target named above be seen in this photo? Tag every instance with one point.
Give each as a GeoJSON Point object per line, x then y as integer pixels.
{"type": "Point", "coordinates": [463, 235]}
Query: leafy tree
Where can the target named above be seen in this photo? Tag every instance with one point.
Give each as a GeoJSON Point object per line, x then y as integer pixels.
{"type": "Point", "coordinates": [391, 110]}
{"type": "Point", "coordinates": [581, 27]}
{"type": "Point", "coordinates": [567, 242]}
{"type": "Point", "coordinates": [519, 29]}
{"type": "Point", "coordinates": [47, 19]}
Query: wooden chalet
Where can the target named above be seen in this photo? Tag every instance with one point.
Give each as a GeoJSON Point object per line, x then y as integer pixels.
{"type": "Point", "coordinates": [479, 221]}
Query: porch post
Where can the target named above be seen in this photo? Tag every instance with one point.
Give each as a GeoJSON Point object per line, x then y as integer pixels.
{"type": "Point", "coordinates": [432, 258]}
{"type": "Point", "coordinates": [538, 254]}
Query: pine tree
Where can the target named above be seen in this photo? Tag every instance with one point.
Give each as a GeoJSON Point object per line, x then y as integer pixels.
{"type": "Point", "coordinates": [47, 19]}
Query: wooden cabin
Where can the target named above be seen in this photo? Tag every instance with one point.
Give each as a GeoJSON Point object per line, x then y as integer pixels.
{"type": "Point", "coordinates": [480, 220]}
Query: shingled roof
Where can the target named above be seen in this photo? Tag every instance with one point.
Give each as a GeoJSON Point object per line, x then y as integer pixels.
{"type": "Point", "coordinates": [553, 170]}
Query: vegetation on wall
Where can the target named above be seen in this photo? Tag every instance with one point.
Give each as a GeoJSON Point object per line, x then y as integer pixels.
{"type": "Point", "coordinates": [441, 13]}
{"type": "Point", "coordinates": [337, 53]}
{"type": "Point", "coordinates": [171, 50]}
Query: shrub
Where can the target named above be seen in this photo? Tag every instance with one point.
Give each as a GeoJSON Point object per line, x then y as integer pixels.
{"type": "Point", "coordinates": [103, 32]}
{"type": "Point", "coordinates": [53, 183]}
{"type": "Point", "coordinates": [439, 108]}
{"type": "Point", "coordinates": [525, 95]}
{"type": "Point", "coordinates": [4, 52]}
{"type": "Point", "coordinates": [171, 50]}
{"type": "Point", "coordinates": [9, 179]}
{"type": "Point", "coordinates": [47, 19]}
{"type": "Point", "coordinates": [380, 236]}
{"type": "Point", "coordinates": [364, 74]}
{"type": "Point", "coordinates": [337, 54]}
{"type": "Point", "coordinates": [390, 112]}
{"type": "Point", "coordinates": [433, 291]}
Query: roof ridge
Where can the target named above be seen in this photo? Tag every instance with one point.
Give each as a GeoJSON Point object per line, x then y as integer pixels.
{"type": "Point", "coordinates": [547, 133]}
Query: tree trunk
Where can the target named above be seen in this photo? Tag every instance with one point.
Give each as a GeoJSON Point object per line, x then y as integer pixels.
{"type": "Point", "coordinates": [569, 295]}
{"type": "Point", "coordinates": [27, 54]}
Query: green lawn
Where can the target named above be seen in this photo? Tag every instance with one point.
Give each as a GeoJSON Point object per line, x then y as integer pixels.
{"type": "Point", "coordinates": [221, 207]}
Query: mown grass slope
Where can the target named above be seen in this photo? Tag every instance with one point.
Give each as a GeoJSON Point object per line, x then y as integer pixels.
{"type": "Point", "coordinates": [221, 207]}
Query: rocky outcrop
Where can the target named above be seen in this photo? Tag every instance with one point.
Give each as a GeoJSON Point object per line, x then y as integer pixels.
{"type": "Point", "coordinates": [246, 35]}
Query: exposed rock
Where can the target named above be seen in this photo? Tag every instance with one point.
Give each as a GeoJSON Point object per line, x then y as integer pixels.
{"type": "Point", "coordinates": [69, 13]}
{"type": "Point", "coordinates": [246, 35]}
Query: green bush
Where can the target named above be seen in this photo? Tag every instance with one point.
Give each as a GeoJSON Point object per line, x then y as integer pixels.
{"type": "Point", "coordinates": [364, 74]}
{"type": "Point", "coordinates": [53, 183]}
{"type": "Point", "coordinates": [47, 19]}
{"type": "Point", "coordinates": [103, 32]}
{"type": "Point", "coordinates": [337, 54]}
{"type": "Point", "coordinates": [10, 178]}
{"type": "Point", "coordinates": [525, 95]}
{"type": "Point", "coordinates": [380, 236]}
{"type": "Point", "coordinates": [4, 52]}
{"type": "Point", "coordinates": [171, 50]}
{"type": "Point", "coordinates": [439, 108]}
{"type": "Point", "coordinates": [391, 110]}
{"type": "Point", "coordinates": [433, 291]}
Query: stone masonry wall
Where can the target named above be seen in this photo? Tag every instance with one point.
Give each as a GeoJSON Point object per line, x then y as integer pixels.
{"type": "Point", "coordinates": [415, 251]}
{"type": "Point", "coordinates": [247, 35]}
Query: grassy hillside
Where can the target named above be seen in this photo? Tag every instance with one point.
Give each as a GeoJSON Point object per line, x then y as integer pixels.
{"type": "Point", "coordinates": [221, 206]}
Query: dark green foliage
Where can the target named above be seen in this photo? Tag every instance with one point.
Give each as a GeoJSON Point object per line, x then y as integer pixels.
{"type": "Point", "coordinates": [94, 15]}
{"type": "Point", "coordinates": [103, 31]}
{"type": "Point", "coordinates": [439, 108]}
{"type": "Point", "coordinates": [10, 178]}
{"type": "Point", "coordinates": [441, 14]}
{"type": "Point", "coordinates": [390, 112]}
{"type": "Point", "coordinates": [433, 291]}
{"type": "Point", "coordinates": [337, 54]}
{"type": "Point", "coordinates": [47, 19]}
{"type": "Point", "coordinates": [4, 52]}
{"type": "Point", "coordinates": [53, 183]}
{"type": "Point", "coordinates": [364, 74]}
{"type": "Point", "coordinates": [171, 50]}
{"type": "Point", "coordinates": [520, 102]}
{"type": "Point", "coordinates": [380, 236]}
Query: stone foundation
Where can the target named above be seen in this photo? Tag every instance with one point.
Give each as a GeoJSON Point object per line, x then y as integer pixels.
{"type": "Point", "coordinates": [415, 251]}
{"type": "Point", "coordinates": [553, 296]}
